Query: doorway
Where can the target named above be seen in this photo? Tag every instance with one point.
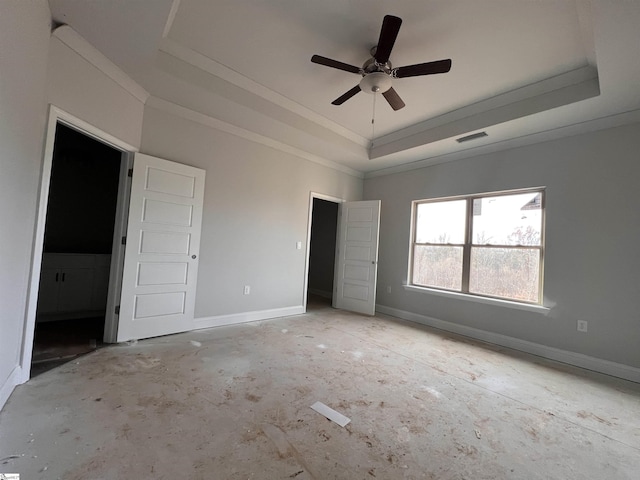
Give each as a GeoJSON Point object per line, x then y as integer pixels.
{"type": "Point", "coordinates": [322, 252]}
{"type": "Point", "coordinates": [77, 248]}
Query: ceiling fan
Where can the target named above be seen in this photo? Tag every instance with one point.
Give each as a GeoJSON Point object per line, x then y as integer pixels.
{"type": "Point", "coordinates": [377, 72]}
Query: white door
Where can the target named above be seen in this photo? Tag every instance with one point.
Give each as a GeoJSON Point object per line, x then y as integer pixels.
{"type": "Point", "coordinates": [357, 256]}
{"type": "Point", "coordinates": [161, 254]}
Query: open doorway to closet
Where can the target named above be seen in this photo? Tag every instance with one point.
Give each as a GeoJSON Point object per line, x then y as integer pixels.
{"type": "Point", "coordinates": [322, 252]}
{"type": "Point", "coordinates": [77, 248]}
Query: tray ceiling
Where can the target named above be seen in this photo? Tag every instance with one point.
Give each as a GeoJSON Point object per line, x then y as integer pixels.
{"type": "Point", "coordinates": [521, 70]}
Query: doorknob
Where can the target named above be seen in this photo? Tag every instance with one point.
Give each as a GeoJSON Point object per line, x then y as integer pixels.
{"type": "Point", "coordinates": [193, 256]}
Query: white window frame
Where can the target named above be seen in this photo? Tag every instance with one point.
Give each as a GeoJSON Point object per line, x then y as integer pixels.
{"type": "Point", "coordinates": [468, 243]}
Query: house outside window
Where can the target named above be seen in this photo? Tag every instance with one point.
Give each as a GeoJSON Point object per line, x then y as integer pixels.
{"type": "Point", "coordinates": [489, 245]}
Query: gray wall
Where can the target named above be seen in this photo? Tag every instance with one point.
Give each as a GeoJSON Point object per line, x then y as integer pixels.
{"type": "Point", "coordinates": [81, 89]}
{"type": "Point", "coordinates": [38, 69]}
{"type": "Point", "coordinates": [24, 44]}
{"type": "Point", "coordinates": [256, 209]}
{"type": "Point", "coordinates": [592, 263]}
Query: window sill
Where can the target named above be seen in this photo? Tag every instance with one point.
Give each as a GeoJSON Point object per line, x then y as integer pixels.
{"type": "Point", "coordinates": [473, 298]}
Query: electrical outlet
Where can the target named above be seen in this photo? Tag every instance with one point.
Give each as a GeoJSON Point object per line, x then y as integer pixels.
{"type": "Point", "coordinates": [389, 289]}
{"type": "Point", "coordinates": [582, 325]}
{"type": "Point", "coordinates": [247, 289]}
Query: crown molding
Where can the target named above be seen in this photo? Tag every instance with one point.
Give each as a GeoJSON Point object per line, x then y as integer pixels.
{"type": "Point", "coordinates": [564, 89]}
{"type": "Point", "coordinates": [188, 114]}
{"type": "Point", "coordinates": [602, 123]}
{"type": "Point", "coordinates": [78, 44]}
{"type": "Point", "coordinates": [217, 69]}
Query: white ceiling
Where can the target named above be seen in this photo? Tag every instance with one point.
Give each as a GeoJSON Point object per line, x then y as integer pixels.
{"type": "Point", "coordinates": [523, 70]}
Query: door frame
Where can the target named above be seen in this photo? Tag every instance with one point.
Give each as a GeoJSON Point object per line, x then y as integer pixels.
{"type": "Point", "coordinates": [57, 115]}
{"type": "Point", "coordinates": [117, 249]}
{"type": "Point", "coordinates": [320, 196]}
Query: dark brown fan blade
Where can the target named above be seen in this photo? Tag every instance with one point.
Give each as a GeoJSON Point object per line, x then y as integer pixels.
{"type": "Point", "coordinates": [429, 68]}
{"type": "Point", "coordinates": [343, 98]}
{"type": "Point", "coordinates": [393, 98]}
{"type": "Point", "coordinates": [388, 34]}
{"type": "Point", "coordinates": [334, 64]}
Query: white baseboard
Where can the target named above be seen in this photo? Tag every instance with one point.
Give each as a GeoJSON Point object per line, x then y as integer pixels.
{"type": "Point", "coordinates": [12, 381]}
{"type": "Point", "coordinates": [235, 318]}
{"type": "Point", "coordinates": [577, 359]}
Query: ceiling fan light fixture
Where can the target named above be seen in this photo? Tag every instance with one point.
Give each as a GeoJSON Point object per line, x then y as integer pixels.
{"type": "Point", "coordinates": [375, 82]}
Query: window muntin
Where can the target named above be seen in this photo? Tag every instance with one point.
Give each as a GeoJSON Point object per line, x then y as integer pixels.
{"type": "Point", "coordinates": [489, 245]}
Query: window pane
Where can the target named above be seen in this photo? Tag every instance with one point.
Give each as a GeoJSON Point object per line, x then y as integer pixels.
{"type": "Point", "coordinates": [437, 266]}
{"type": "Point", "coordinates": [441, 222]}
{"type": "Point", "coordinates": [511, 273]}
{"type": "Point", "coordinates": [508, 219]}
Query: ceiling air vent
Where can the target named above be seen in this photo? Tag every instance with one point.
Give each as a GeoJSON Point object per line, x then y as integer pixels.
{"type": "Point", "coordinates": [473, 136]}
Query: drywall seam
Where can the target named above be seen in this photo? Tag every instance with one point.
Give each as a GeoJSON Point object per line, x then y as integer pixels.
{"type": "Point", "coordinates": [235, 318]}
{"type": "Point", "coordinates": [201, 118]}
{"type": "Point", "coordinates": [607, 367]}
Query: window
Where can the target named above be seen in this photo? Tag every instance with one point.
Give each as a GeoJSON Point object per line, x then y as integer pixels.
{"type": "Point", "coordinates": [489, 245]}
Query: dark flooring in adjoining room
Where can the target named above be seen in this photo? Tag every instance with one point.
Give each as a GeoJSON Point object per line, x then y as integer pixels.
{"type": "Point", "coordinates": [234, 403]}
{"type": "Point", "coordinates": [316, 302]}
{"type": "Point", "coordinates": [60, 341]}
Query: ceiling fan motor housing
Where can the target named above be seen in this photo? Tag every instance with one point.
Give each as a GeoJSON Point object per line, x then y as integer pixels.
{"type": "Point", "coordinates": [372, 66]}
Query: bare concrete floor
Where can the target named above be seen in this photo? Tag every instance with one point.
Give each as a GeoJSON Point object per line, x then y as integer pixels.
{"type": "Point", "coordinates": [233, 403]}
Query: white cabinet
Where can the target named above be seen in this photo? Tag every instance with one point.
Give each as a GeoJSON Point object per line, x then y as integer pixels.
{"type": "Point", "coordinates": [73, 285]}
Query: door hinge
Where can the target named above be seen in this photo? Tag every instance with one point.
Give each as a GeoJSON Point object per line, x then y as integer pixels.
{"type": "Point", "coordinates": [117, 310]}
{"type": "Point", "coordinates": [124, 240]}
{"type": "Point", "coordinates": [130, 172]}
